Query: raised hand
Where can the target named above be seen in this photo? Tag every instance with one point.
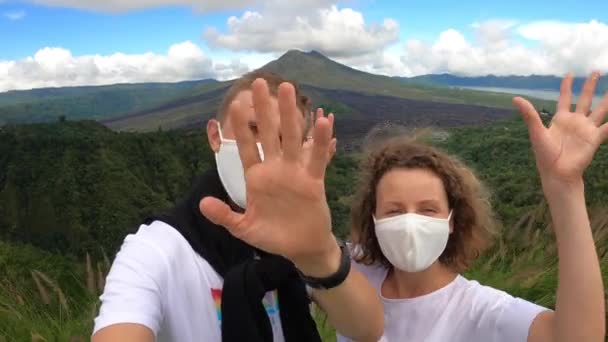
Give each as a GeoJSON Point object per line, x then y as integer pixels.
{"type": "Point", "coordinates": [287, 211]}
{"type": "Point", "coordinates": [565, 149]}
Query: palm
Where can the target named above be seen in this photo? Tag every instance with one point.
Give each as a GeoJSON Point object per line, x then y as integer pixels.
{"type": "Point", "coordinates": [285, 204]}
{"type": "Point", "coordinates": [286, 211]}
{"type": "Point", "coordinates": [565, 149]}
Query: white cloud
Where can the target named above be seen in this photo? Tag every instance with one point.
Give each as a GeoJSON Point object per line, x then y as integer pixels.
{"type": "Point", "coordinates": [552, 48]}
{"type": "Point", "coordinates": [578, 47]}
{"type": "Point", "coordinates": [57, 67]}
{"type": "Point", "coordinates": [198, 5]}
{"type": "Point", "coordinates": [14, 15]}
{"type": "Point", "coordinates": [123, 6]}
{"type": "Point", "coordinates": [332, 31]}
{"type": "Point", "coordinates": [384, 62]}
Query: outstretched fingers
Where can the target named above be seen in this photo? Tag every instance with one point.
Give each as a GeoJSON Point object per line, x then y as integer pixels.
{"type": "Point", "coordinates": [530, 116]}
{"type": "Point", "coordinates": [269, 135]}
{"type": "Point", "coordinates": [248, 150]}
{"type": "Point", "coordinates": [583, 104]}
{"type": "Point", "coordinates": [291, 127]}
{"type": "Point", "coordinates": [320, 149]}
{"type": "Point", "coordinates": [565, 95]}
{"type": "Point", "coordinates": [599, 113]}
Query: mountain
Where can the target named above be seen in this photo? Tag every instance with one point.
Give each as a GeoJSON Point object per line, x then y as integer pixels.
{"type": "Point", "coordinates": [93, 102]}
{"type": "Point", "coordinates": [148, 107]}
{"type": "Point", "coordinates": [362, 96]}
{"type": "Point", "coordinates": [534, 82]}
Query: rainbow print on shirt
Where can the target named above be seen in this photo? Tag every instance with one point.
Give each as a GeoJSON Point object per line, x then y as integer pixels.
{"type": "Point", "coordinates": [270, 301]}
{"type": "Point", "coordinates": [217, 301]}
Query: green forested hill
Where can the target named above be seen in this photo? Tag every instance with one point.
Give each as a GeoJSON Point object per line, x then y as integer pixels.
{"type": "Point", "coordinates": [75, 188]}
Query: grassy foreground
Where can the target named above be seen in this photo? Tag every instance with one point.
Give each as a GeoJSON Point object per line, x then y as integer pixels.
{"type": "Point", "coordinates": [59, 303]}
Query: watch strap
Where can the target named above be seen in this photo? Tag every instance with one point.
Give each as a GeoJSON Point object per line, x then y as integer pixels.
{"type": "Point", "coordinates": [336, 278]}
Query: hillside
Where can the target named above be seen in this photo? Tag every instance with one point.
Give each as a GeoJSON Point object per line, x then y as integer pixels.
{"type": "Point", "coordinates": [72, 188]}
{"type": "Point", "coordinates": [534, 82]}
{"type": "Point", "coordinates": [44, 105]}
{"type": "Point", "coordinates": [323, 78]}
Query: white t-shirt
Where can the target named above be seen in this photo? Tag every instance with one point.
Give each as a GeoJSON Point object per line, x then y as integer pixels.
{"type": "Point", "coordinates": [159, 281]}
{"type": "Point", "coordinates": [462, 311]}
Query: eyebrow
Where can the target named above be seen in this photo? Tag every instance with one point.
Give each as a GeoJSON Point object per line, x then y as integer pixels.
{"type": "Point", "coordinates": [430, 201]}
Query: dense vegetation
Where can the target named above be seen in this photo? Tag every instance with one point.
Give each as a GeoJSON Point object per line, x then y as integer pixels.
{"type": "Point", "coordinates": [70, 191]}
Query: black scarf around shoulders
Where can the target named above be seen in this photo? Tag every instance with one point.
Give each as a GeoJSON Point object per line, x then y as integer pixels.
{"type": "Point", "coordinates": [248, 273]}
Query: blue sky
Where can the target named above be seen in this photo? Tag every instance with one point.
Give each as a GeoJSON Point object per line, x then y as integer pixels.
{"type": "Point", "coordinates": [26, 28]}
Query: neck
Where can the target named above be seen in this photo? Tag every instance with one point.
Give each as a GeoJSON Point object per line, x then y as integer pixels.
{"type": "Point", "coordinates": [401, 285]}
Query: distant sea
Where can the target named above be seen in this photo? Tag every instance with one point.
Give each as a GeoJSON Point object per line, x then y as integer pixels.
{"type": "Point", "coordinates": [539, 94]}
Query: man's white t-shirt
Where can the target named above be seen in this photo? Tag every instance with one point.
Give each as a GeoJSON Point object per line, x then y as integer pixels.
{"type": "Point", "coordinates": [158, 280]}
{"type": "Point", "coordinates": [462, 311]}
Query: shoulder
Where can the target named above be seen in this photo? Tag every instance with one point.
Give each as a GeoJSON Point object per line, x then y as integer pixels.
{"type": "Point", "coordinates": [157, 238]}
{"type": "Point", "coordinates": [374, 273]}
{"type": "Point", "coordinates": [475, 291]}
{"type": "Point", "coordinates": [507, 316]}
{"type": "Point", "coordinates": [481, 299]}
{"type": "Point", "coordinates": [156, 249]}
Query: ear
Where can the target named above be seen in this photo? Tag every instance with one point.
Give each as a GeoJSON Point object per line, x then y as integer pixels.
{"type": "Point", "coordinates": [213, 135]}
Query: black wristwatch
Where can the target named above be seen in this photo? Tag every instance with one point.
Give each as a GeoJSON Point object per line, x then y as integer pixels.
{"type": "Point", "coordinates": [335, 279]}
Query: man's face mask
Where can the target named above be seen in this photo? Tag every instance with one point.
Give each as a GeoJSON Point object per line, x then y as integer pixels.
{"type": "Point", "coordinates": [230, 169]}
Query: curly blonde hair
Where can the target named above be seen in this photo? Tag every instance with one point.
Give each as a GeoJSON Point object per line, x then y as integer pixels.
{"type": "Point", "coordinates": [473, 218]}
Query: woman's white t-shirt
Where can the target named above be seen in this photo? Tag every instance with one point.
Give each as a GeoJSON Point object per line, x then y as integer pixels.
{"type": "Point", "coordinates": [462, 311]}
{"type": "Point", "coordinates": [157, 280]}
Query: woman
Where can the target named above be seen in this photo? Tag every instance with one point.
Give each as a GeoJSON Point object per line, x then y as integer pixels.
{"type": "Point", "coordinates": [420, 218]}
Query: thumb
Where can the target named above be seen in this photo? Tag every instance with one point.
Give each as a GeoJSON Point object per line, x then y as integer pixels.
{"type": "Point", "coordinates": [219, 213]}
{"type": "Point", "coordinates": [530, 116]}
{"type": "Point", "coordinates": [604, 133]}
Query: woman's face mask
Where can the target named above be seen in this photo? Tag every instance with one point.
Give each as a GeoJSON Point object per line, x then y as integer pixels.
{"type": "Point", "coordinates": [230, 169]}
{"type": "Point", "coordinates": [412, 221]}
{"type": "Point", "coordinates": [412, 242]}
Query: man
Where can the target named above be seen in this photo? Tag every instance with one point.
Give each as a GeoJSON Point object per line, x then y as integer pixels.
{"type": "Point", "coordinates": [232, 261]}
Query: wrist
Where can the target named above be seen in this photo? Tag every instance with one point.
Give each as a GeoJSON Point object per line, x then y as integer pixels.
{"type": "Point", "coordinates": [558, 190]}
{"type": "Point", "coordinates": [322, 264]}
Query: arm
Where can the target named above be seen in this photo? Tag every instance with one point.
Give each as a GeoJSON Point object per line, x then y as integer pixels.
{"type": "Point", "coordinates": [579, 314]}
{"type": "Point", "coordinates": [130, 304]}
{"type": "Point", "coordinates": [124, 333]}
{"type": "Point", "coordinates": [563, 151]}
{"type": "Point", "coordinates": [343, 304]}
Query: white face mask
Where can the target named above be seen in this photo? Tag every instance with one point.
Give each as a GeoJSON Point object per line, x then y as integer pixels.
{"type": "Point", "coordinates": [230, 169]}
{"type": "Point", "coordinates": [412, 242]}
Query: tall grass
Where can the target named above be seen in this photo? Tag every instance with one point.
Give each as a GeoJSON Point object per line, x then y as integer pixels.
{"type": "Point", "coordinates": [42, 309]}
{"type": "Point", "coordinates": [523, 261]}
